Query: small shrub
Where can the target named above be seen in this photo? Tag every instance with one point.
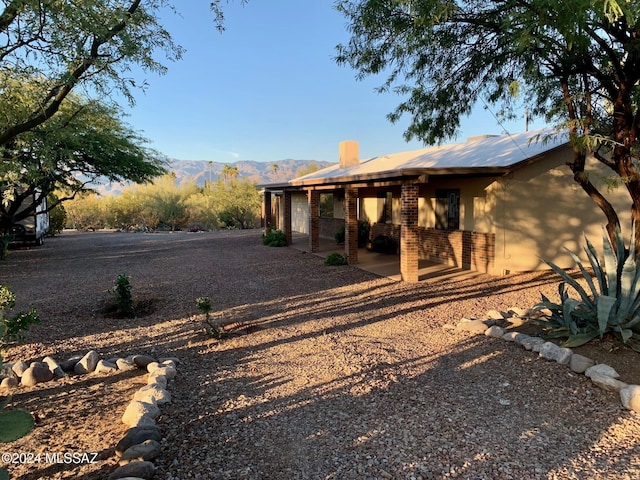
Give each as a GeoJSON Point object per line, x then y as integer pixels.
{"type": "Point", "coordinates": [363, 233]}
{"type": "Point", "coordinates": [12, 328]}
{"type": "Point", "coordinates": [335, 259]}
{"type": "Point", "coordinates": [340, 235]}
{"type": "Point", "coordinates": [57, 216]}
{"type": "Point", "coordinates": [384, 244]}
{"type": "Point", "coordinates": [274, 238]}
{"type": "Point", "coordinates": [122, 295]}
{"type": "Point", "coordinates": [204, 306]}
{"type": "Point", "coordinates": [5, 240]}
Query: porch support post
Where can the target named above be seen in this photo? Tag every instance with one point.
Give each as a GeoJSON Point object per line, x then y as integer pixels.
{"type": "Point", "coordinates": [267, 213]}
{"type": "Point", "coordinates": [409, 236]}
{"type": "Point", "coordinates": [351, 224]}
{"type": "Point", "coordinates": [287, 217]}
{"type": "Point", "coordinates": [313, 197]}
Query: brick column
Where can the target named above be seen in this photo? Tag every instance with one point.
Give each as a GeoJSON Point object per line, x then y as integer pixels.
{"type": "Point", "coordinates": [409, 236]}
{"type": "Point", "coordinates": [266, 213]}
{"type": "Point", "coordinates": [351, 224]}
{"type": "Point", "coordinates": [313, 197]}
{"type": "Point", "coordinates": [286, 228]}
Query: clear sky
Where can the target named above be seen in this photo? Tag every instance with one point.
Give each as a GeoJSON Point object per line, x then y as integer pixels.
{"type": "Point", "coordinates": [268, 89]}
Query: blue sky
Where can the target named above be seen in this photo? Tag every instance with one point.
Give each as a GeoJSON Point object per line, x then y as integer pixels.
{"type": "Point", "coordinates": [268, 89]}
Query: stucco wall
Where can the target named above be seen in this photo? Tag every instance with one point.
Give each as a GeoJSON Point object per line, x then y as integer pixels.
{"type": "Point", "coordinates": [538, 210]}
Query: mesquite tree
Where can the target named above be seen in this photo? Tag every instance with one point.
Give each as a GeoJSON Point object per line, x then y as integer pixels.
{"type": "Point", "coordinates": [577, 61]}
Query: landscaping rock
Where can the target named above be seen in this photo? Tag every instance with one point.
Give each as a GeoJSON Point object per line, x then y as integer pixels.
{"type": "Point", "coordinates": [125, 365]}
{"type": "Point", "coordinates": [144, 470]}
{"type": "Point", "coordinates": [551, 351]}
{"type": "Point", "coordinates": [147, 450]}
{"type": "Point", "coordinates": [495, 315]}
{"type": "Point", "coordinates": [88, 363]}
{"type": "Point", "coordinates": [9, 382]}
{"type": "Point", "coordinates": [152, 367]}
{"type": "Point", "coordinates": [519, 312]}
{"type": "Point", "coordinates": [529, 342]}
{"type": "Point", "coordinates": [136, 435]}
{"type": "Point", "coordinates": [601, 369]}
{"type": "Point", "coordinates": [521, 339]}
{"type": "Point", "coordinates": [54, 366]}
{"type": "Point", "coordinates": [139, 413]}
{"type": "Point", "coordinates": [141, 361]}
{"type": "Point", "coordinates": [607, 383]}
{"type": "Point", "coordinates": [6, 370]}
{"type": "Point", "coordinates": [157, 378]}
{"type": "Point", "coordinates": [630, 397]}
{"type": "Point", "coordinates": [511, 336]}
{"type": "Point", "coordinates": [153, 393]}
{"type": "Point", "coordinates": [477, 327]}
{"type": "Point", "coordinates": [69, 365]}
{"type": "Point", "coordinates": [104, 366]}
{"type": "Point", "coordinates": [168, 372]}
{"type": "Point", "coordinates": [580, 363]}
{"type": "Point", "coordinates": [38, 373]}
{"type": "Point", "coordinates": [494, 331]}
{"type": "Point", "coordinates": [19, 367]}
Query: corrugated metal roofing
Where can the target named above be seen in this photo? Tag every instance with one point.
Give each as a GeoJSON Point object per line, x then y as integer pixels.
{"type": "Point", "coordinates": [492, 153]}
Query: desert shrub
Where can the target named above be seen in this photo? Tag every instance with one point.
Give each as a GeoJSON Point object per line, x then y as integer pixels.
{"type": "Point", "coordinates": [384, 244]}
{"type": "Point", "coordinates": [204, 306]}
{"type": "Point", "coordinates": [13, 327]}
{"type": "Point", "coordinates": [363, 233]}
{"type": "Point", "coordinates": [274, 238]}
{"type": "Point", "coordinates": [122, 295]}
{"type": "Point", "coordinates": [335, 259]}
{"type": "Point", "coordinates": [610, 305]}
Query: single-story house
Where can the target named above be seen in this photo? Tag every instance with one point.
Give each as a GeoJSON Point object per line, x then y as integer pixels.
{"type": "Point", "coordinates": [495, 204]}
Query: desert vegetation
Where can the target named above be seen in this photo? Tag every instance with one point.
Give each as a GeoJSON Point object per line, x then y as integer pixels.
{"type": "Point", "coordinates": [167, 205]}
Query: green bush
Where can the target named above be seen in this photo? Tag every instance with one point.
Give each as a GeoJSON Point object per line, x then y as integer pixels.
{"type": "Point", "coordinates": [612, 304]}
{"type": "Point", "coordinates": [363, 234]}
{"type": "Point", "coordinates": [340, 235]}
{"type": "Point", "coordinates": [384, 244]}
{"type": "Point", "coordinates": [204, 306]}
{"type": "Point", "coordinates": [123, 296]}
{"type": "Point", "coordinates": [274, 238]}
{"type": "Point", "coordinates": [335, 259]}
{"type": "Point", "coordinates": [57, 216]}
{"type": "Point", "coordinates": [12, 328]}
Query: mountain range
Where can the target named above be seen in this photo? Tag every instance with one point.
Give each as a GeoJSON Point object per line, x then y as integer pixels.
{"type": "Point", "coordinates": [201, 171]}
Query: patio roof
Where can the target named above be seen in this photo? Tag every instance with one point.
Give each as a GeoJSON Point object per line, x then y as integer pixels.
{"type": "Point", "coordinates": [486, 155]}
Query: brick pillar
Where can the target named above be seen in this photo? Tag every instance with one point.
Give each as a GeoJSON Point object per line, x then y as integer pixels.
{"type": "Point", "coordinates": [313, 197]}
{"type": "Point", "coordinates": [351, 224]}
{"type": "Point", "coordinates": [266, 211]}
{"type": "Point", "coordinates": [409, 237]}
{"type": "Point", "coordinates": [286, 228]}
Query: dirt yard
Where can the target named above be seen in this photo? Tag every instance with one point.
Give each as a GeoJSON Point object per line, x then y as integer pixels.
{"type": "Point", "coordinates": [328, 372]}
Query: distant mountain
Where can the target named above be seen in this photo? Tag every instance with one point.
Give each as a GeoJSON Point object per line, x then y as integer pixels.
{"type": "Point", "coordinates": [201, 171]}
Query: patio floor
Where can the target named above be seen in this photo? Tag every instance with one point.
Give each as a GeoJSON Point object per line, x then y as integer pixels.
{"type": "Point", "coordinates": [385, 265]}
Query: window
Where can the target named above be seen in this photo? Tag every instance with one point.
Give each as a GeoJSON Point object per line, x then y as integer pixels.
{"type": "Point", "coordinates": [448, 209]}
{"type": "Point", "coordinates": [326, 205]}
{"type": "Point", "coordinates": [386, 214]}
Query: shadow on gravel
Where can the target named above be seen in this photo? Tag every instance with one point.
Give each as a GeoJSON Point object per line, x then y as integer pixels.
{"type": "Point", "coordinates": [345, 375]}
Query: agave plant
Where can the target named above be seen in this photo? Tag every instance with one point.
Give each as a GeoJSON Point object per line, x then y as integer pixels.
{"type": "Point", "coordinates": [610, 303]}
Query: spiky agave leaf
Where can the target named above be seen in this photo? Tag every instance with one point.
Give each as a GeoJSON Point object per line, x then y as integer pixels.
{"type": "Point", "coordinates": [15, 424]}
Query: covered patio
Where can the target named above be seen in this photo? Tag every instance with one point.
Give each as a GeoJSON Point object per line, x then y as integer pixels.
{"type": "Point", "coordinates": [384, 265]}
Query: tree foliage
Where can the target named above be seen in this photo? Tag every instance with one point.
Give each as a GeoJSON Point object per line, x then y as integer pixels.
{"type": "Point", "coordinates": [576, 61]}
{"type": "Point", "coordinates": [51, 137]}
{"type": "Point", "coordinates": [167, 206]}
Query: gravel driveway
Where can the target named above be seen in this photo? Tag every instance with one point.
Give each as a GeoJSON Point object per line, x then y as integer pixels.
{"type": "Point", "coordinates": [329, 372]}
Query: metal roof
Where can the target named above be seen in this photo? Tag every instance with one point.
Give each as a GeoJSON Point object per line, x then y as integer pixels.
{"type": "Point", "coordinates": [479, 155]}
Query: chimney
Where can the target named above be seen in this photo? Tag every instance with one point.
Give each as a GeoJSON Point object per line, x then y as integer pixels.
{"type": "Point", "coordinates": [348, 153]}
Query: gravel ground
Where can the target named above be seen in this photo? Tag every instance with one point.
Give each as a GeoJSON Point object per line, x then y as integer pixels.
{"type": "Point", "coordinates": [327, 372]}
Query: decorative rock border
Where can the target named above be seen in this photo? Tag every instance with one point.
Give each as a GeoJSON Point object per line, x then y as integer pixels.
{"type": "Point", "coordinates": [601, 375]}
{"type": "Point", "coordinates": [141, 442]}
